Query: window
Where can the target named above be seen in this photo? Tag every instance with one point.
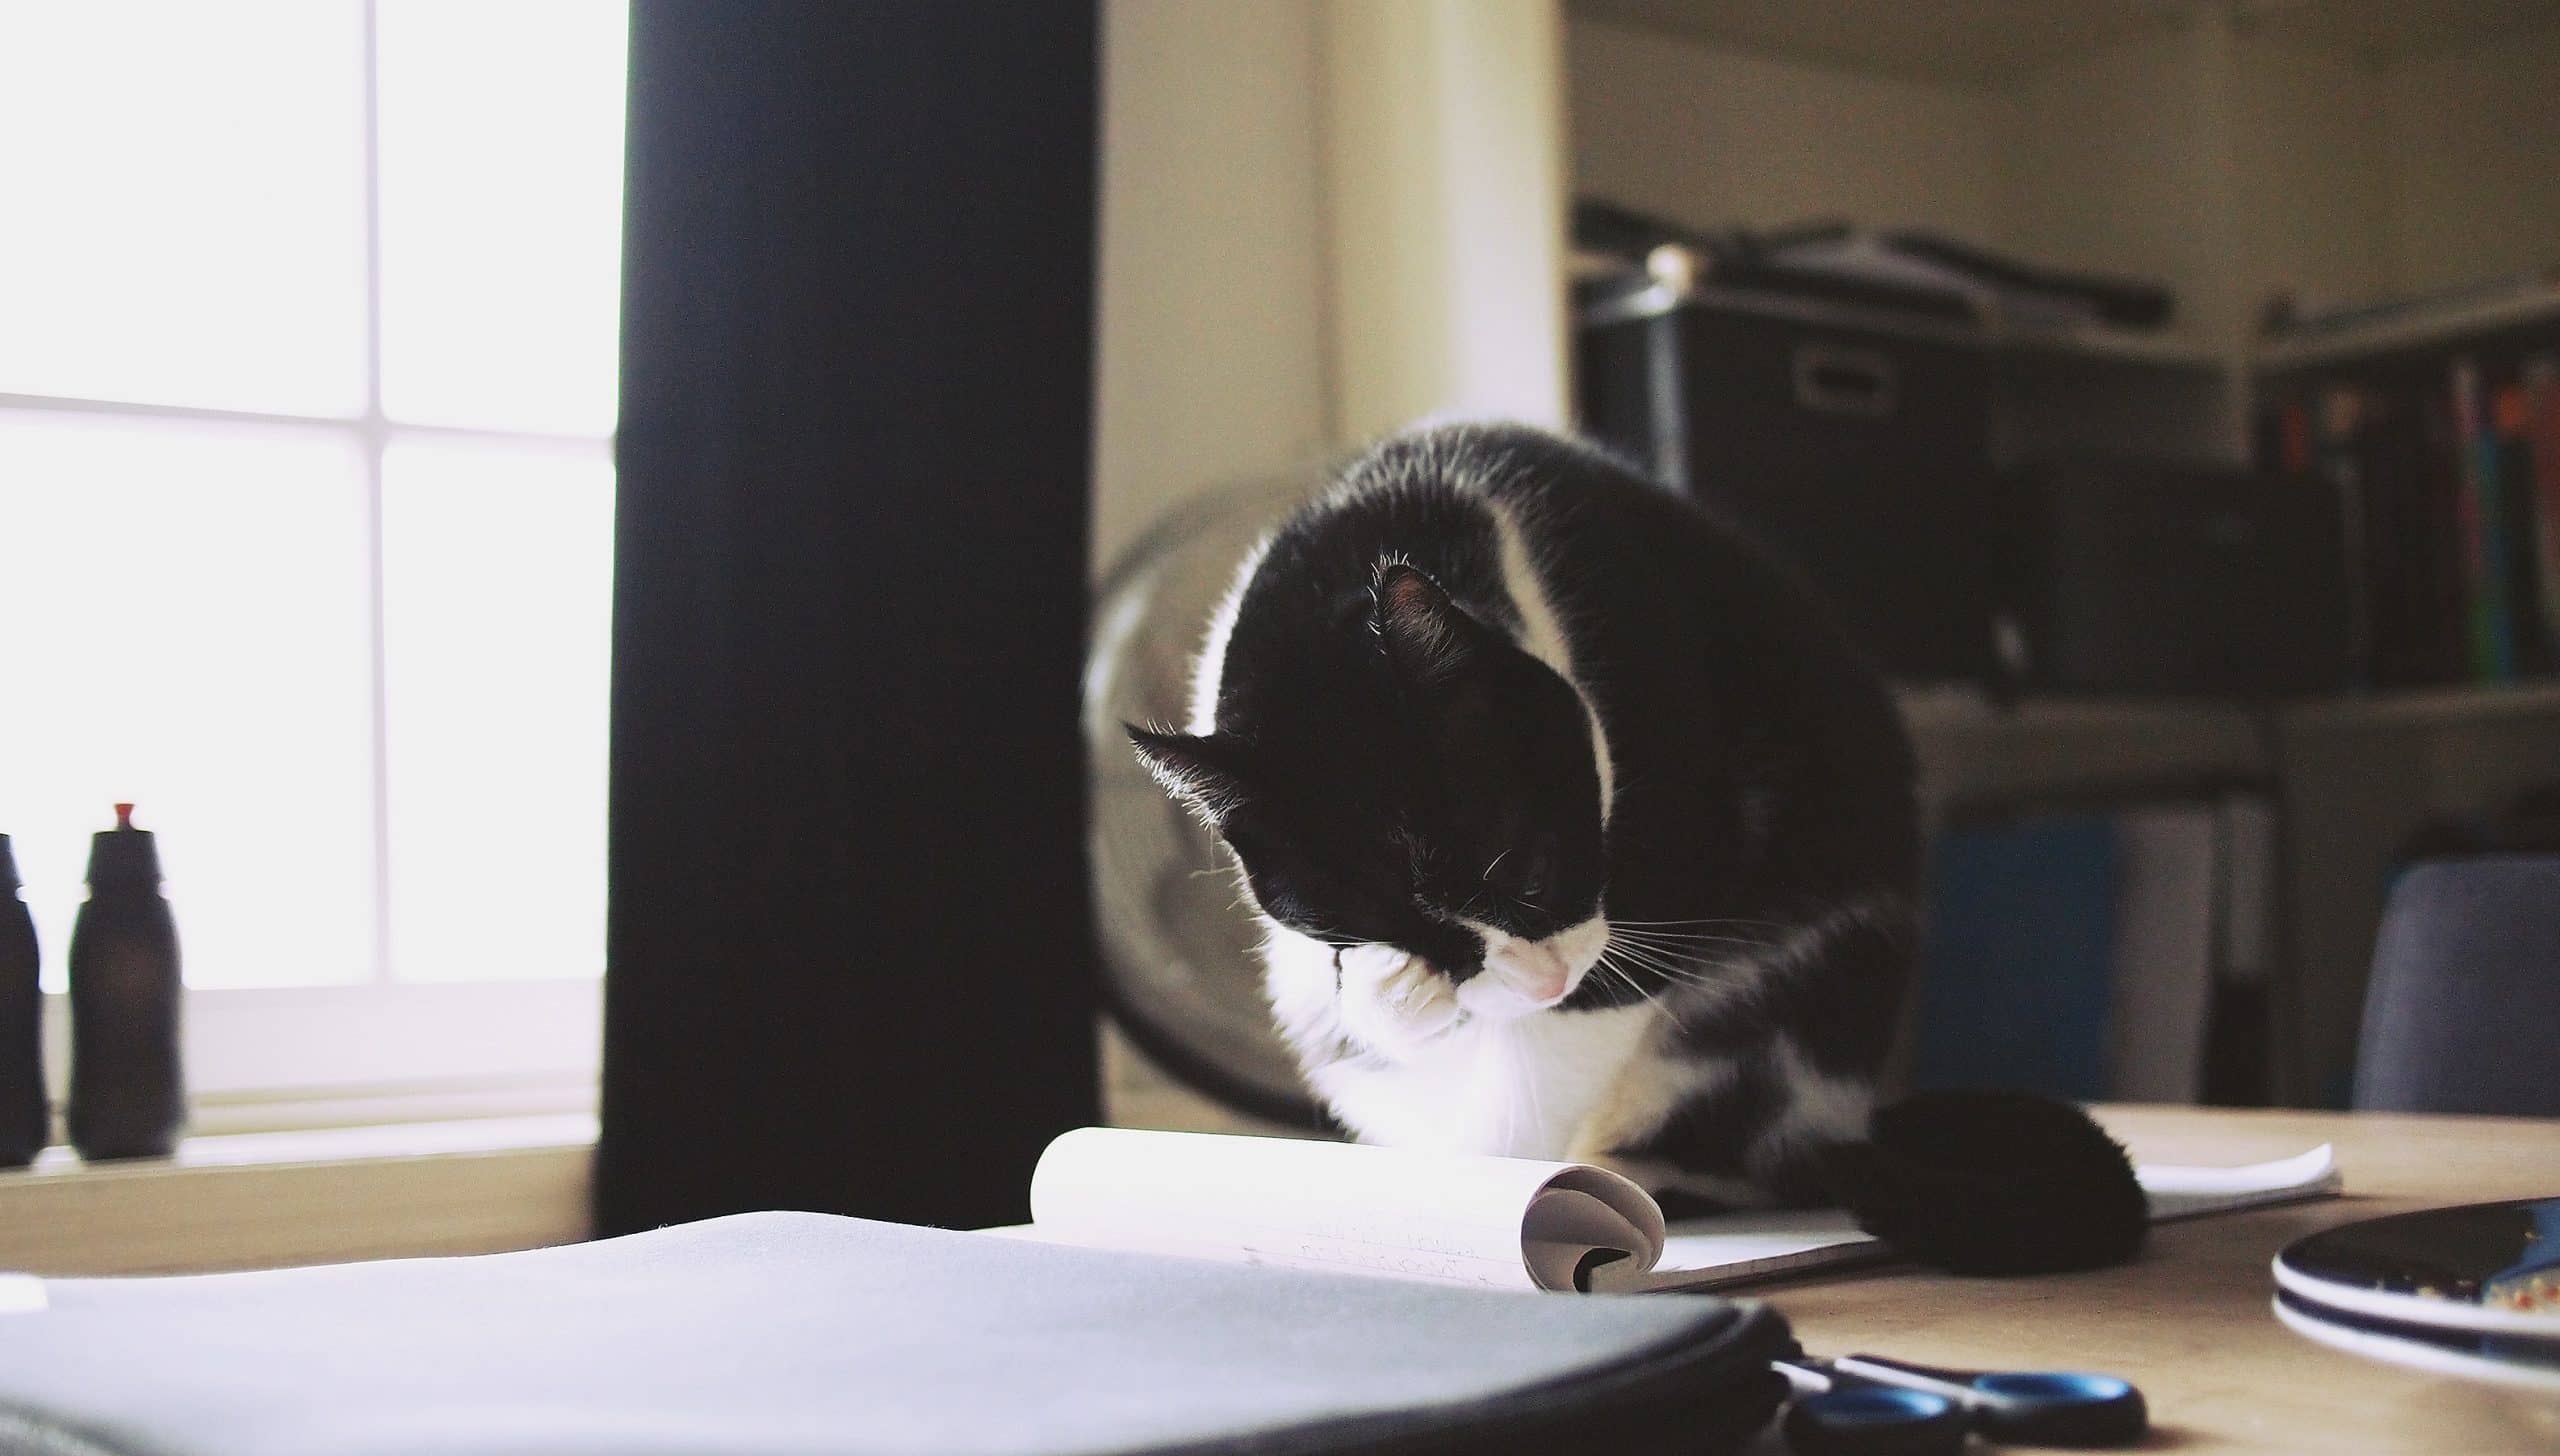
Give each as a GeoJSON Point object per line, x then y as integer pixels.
{"type": "Point", "coordinates": [308, 317]}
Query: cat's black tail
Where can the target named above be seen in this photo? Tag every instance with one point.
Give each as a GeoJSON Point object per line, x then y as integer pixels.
{"type": "Point", "coordinates": [1992, 1183]}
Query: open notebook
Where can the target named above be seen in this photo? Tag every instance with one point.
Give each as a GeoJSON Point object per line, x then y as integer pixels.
{"type": "Point", "coordinates": [1460, 1219]}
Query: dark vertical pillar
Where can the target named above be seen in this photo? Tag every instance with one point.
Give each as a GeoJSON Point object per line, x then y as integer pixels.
{"type": "Point", "coordinates": [849, 955]}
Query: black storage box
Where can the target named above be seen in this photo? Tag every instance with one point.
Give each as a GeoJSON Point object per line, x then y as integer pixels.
{"type": "Point", "coordinates": [2139, 576]}
{"type": "Point", "coordinates": [1856, 443]}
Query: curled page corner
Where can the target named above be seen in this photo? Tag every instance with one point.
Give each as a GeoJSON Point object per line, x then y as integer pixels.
{"type": "Point", "coordinates": [1590, 1229]}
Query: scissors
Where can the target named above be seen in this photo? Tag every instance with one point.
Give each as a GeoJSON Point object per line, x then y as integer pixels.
{"type": "Point", "coordinates": [1866, 1405]}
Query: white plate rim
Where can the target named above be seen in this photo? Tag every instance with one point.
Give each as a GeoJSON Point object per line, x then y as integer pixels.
{"type": "Point", "coordinates": [2417, 1355]}
{"type": "Point", "coordinates": [2407, 1309]}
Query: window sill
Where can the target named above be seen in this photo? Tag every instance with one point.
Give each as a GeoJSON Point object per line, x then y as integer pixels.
{"type": "Point", "coordinates": [268, 1199]}
{"type": "Point", "coordinates": [266, 1059]}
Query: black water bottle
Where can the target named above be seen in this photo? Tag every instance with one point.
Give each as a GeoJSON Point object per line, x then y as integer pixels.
{"type": "Point", "coordinates": [128, 1099]}
{"type": "Point", "coordinates": [25, 1122]}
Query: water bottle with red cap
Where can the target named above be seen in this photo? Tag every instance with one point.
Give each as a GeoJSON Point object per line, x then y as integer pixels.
{"type": "Point", "coordinates": [128, 1098]}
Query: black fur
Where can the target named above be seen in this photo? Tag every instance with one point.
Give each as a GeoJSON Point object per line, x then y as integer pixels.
{"type": "Point", "coordinates": [1993, 1183]}
{"type": "Point", "coordinates": [1386, 762]}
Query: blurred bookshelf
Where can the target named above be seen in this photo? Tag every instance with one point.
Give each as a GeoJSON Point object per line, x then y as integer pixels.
{"type": "Point", "coordinates": [2436, 424]}
{"type": "Point", "coordinates": [2395, 331]}
{"type": "Point", "coordinates": [2384, 166]}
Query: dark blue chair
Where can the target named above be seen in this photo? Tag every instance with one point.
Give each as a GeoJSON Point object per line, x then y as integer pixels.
{"type": "Point", "coordinates": [2463, 1011]}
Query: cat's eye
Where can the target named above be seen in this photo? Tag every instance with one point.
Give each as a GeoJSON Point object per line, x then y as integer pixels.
{"type": "Point", "coordinates": [1528, 873]}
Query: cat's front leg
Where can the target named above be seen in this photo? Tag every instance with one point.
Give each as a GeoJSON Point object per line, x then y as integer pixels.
{"type": "Point", "coordinates": [1391, 1003]}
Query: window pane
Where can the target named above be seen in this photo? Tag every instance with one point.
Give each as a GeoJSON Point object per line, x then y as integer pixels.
{"type": "Point", "coordinates": [186, 610]}
{"type": "Point", "coordinates": [184, 194]}
{"type": "Point", "coordinates": [497, 582]}
{"type": "Point", "coordinates": [501, 212]}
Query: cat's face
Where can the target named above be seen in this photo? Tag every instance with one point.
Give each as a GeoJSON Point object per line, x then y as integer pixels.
{"type": "Point", "coordinates": [1440, 838]}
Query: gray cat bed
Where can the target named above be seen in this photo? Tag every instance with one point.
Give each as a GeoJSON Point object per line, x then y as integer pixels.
{"type": "Point", "coordinates": [791, 1334]}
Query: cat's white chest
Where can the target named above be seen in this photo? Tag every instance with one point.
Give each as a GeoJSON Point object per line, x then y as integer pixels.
{"type": "Point", "coordinates": [1518, 1089]}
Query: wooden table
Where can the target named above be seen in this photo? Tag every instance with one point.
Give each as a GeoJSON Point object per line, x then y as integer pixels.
{"type": "Point", "coordinates": [2189, 1322]}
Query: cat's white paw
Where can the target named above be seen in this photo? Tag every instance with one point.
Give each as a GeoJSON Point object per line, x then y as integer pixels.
{"type": "Point", "coordinates": [1393, 1003]}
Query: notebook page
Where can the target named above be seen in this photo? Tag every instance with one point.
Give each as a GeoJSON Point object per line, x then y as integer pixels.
{"type": "Point", "coordinates": [2178, 1192]}
{"type": "Point", "coordinates": [1730, 1248]}
{"type": "Point", "coordinates": [1499, 1222]}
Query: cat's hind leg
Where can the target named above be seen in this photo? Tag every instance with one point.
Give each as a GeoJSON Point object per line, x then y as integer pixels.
{"type": "Point", "coordinates": [1798, 1045]}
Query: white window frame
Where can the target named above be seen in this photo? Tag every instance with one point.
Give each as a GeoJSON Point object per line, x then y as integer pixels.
{"type": "Point", "coordinates": [376, 1050]}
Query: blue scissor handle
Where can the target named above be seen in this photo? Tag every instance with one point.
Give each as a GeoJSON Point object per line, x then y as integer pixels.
{"type": "Point", "coordinates": [2041, 1407]}
{"type": "Point", "coordinates": [1876, 1420]}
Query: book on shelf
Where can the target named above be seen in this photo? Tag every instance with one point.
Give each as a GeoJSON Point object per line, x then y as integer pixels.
{"type": "Point", "coordinates": [2446, 471]}
{"type": "Point", "coordinates": [2527, 645]}
{"type": "Point", "coordinates": [2542, 447]}
{"type": "Point", "coordinates": [2344, 417]}
{"type": "Point", "coordinates": [2484, 521]}
{"type": "Point", "coordinates": [1504, 1223]}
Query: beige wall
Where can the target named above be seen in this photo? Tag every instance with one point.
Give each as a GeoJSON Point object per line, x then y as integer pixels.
{"type": "Point", "coordinates": [1445, 169]}
{"type": "Point", "coordinates": [1714, 136]}
{"type": "Point", "coordinates": [1211, 357]}
{"type": "Point", "coordinates": [1321, 219]}
{"type": "Point", "coordinates": [2228, 158]}
{"type": "Point", "coordinates": [2315, 199]}
{"type": "Point", "coordinates": [2118, 161]}
{"type": "Point", "coordinates": [2473, 138]}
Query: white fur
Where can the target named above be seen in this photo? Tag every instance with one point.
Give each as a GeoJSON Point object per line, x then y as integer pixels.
{"type": "Point", "coordinates": [1392, 1002]}
{"type": "Point", "coordinates": [1298, 981]}
{"type": "Point", "coordinates": [1520, 1088]}
{"type": "Point", "coordinates": [1479, 1069]}
{"type": "Point", "coordinates": [1212, 662]}
{"type": "Point", "coordinates": [1652, 1085]}
{"type": "Point", "coordinates": [1820, 1108]}
{"type": "Point", "coordinates": [1542, 636]}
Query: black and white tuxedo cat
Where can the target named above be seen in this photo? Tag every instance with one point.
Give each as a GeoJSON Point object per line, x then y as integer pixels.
{"type": "Point", "coordinates": [1577, 826]}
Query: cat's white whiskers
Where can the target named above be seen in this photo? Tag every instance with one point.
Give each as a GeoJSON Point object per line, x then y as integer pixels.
{"type": "Point", "coordinates": [1655, 967]}
{"type": "Point", "coordinates": [1683, 940]}
{"type": "Point", "coordinates": [1718, 922]}
{"type": "Point", "coordinates": [1620, 976]}
{"type": "Point", "coordinates": [1680, 943]}
{"type": "Point", "coordinates": [1690, 968]}
{"type": "Point", "coordinates": [1642, 950]}
{"type": "Point", "coordinates": [1694, 972]}
{"type": "Point", "coordinates": [1695, 950]}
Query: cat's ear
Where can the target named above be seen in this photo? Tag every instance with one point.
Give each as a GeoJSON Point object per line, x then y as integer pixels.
{"type": "Point", "coordinates": [1430, 638]}
{"type": "Point", "coordinates": [1202, 773]}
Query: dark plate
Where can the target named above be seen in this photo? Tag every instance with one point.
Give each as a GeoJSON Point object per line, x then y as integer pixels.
{"type": "Point", "coordinates": [2485, 1268]}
